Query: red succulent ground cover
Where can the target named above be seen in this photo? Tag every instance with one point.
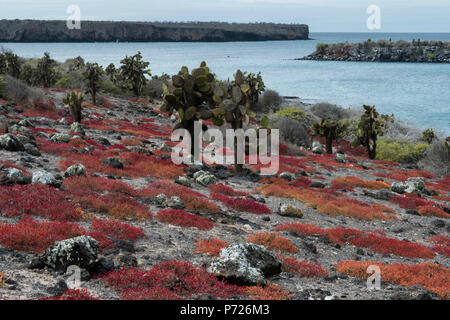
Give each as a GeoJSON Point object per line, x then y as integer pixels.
{"type": "Point", "coordinates": [423, 206]}
{"type": "Point", "coordinates": [362, 239]}
{"type": "Point", "coordinates": [329, 202]}
{"type": "Point", "coordinates": [273, 241]}
{"type": "Point", "coordinates": [403, 175]}
{"type": "Point", "coordinates": [79, 184]}
{"type": "Point", "coordinates": [33, 236]}
{"type": "Point", "coordinates": [350, 181]}
{"type": "Point", "coordinates": [441, 244]}
{"type": "Point", "coordinates": [117, 230]}
{"type": "Point", "coordinates": [37, 200]}
{"type": "Point", "coordinates": [212, 246]}
{"type": "Point", "coordinates": [301, 268]}
{"type": "Point", "coordinates": [184, 219]}
{"type": "Point", "coordinates": [243, 205]}
{"type": "Point", "coordinates": [434, 277]}
{"type": "Point", "coordinates": [269, 292]}
{"type": "Point", "coordinates": [193, 200]}
{"type": "Point", "coordinates": [226, 190]}
{"type": "Point", "coordinates": [169, 280]}
{"type": "Point", "coordinates": [74, 294]}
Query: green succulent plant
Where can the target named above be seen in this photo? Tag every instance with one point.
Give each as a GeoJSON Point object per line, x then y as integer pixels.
{"type": "Point", "coordinates": [133, 71]}
{"type": "Point", "coordinates": [10, 64]}
{"type": "Point", "coordinates": [370, 127]}
{"type": "Point", "coordinates": [330, 130]}
{"type": "Point", "coordinates": [75, 101]}
{"type": "Point", "coordinates": [46, 73]}
{"type": "Point", "coordinates": [92, 76]}
{"type": "Point", "coordinates": [428, 136]}
{"type": "Point", "coordinates": [2, 87]}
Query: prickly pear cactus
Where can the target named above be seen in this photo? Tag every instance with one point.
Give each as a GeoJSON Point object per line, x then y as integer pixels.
{"type": "Point", "coordinates": [370, 127]}
{"type": "Point", "coordinates": [428, 136]}
{"type": "Point", "coordinates": [330, 130]}
{"type": "Point", "coordinates": [92, 76]}
{"type": "Point", "coordinates": [75, 100]}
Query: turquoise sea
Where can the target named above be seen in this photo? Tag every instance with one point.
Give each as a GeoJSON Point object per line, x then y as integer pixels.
{"type": "Point", "coordinates": [419, 93]}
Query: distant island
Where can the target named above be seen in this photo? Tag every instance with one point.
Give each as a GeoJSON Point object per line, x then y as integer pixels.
{"type": "Point", "coordinates": [383, 51]}
{"type": "Point", "coordinates": [110, 31]}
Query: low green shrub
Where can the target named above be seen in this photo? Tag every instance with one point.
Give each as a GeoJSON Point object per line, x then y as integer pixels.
{"type": "Point", "coordinates": [292, 113]}
{"type": "Point", "coordinates": [400, 151]}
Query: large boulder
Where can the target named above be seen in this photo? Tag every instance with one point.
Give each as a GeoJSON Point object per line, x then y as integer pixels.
{"type": "Point", "coordinates": [11, 176]}
{"type": "Point", "coordinates": [412, 185]}
{"type": "Point", "coordinates": [286, 210]}
{"type": "Point", "coordinates": [44, 177]}
{"type": "Point", "coordinates": [11, 143]}
{"type": "Point", "coordinates": [75, 170]}
{"type": "Point", "coordinates": [245, 264]}
{"type": "Point", "coordinates": [205, 178]}
{"type": "Point", "coordinates": [77, 128]}
{"type": "Point", "coordinates": [61, 138]}
{"type": "Point", "coordinates": [80, 251]}
{"type": "Point", "coordinates": [115, 162]}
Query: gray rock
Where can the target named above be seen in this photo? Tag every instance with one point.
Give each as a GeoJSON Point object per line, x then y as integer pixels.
{"type": "Point", "coordinates": [77, 128]}
{"type": "Point", "coordinates": [32, 150]}
{"type": "Point", "coordinates": [340, 158]}
{"type": "Point", "coordinates": [287, 176]}
{"type": "Point", "coordinates": [245, 264]}
{"type": "Point", "coordinates": [286, 210]}
{"type": "Point", "coordinates": [44, 177]}
{"type": "Point", "coordinates": [63, 122]}
{"type": "Point", "coordinates": [175, 203]}
{"type": "Point", "coordinates": [80, 251]}
{"type": "Point", "coordinates": [25, 123]}
{"type": "Point", "coordinates": [205, 178]}
{"type": "Point", "coordinates": [115, 162]}
{"type": "Point", "coordinates": [412, 185]}
{"type": "Point", "coordinates": [61, 137]}
{"type": "Point", "coordinates": [11, 176]}
{"type": "Point", "coordinates": [75, 170]}
{"type": "Point", "coordinates": [183, 181]}
{"type": "Point", "coordinates": [10, 142]}
{"type": "Point", "coordinates": [317, 148]}
{"type": "Point", "coordinates": [161, 199]}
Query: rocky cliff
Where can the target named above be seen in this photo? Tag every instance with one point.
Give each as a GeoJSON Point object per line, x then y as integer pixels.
{"type": "Point", "coordinates": [103, 31]}
{"type": "Point", "coordinates": [384, 51]}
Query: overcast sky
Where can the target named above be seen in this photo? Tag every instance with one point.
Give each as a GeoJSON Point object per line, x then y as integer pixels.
{"type": "Point", "coordinates": [320, 15]}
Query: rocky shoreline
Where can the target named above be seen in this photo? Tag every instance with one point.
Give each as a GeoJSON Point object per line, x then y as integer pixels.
{"type": "Point", "coordinates": [123, 31]}
{"type": "Point", "coordinates": [383, 51]}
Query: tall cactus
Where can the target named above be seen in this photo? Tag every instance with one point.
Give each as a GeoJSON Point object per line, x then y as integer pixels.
{"type": "Point", "coordinates": [46, 73]}
{"type": "Point", "coordinates": [191, 95]}
{"type": "Point", "coordinates": [133, 71]}
{"type": "Point", "coordinates": [10, 64]}
{"type": "Point", "coordinates": [447, 145]}
{"type": "Point", "coordinates": [330, 130]}
{"type": "Point", "coordinates": [75, 100]}
{"type": "Point", "coordinates": [369, 128]}
{"type": "Point", "coordinates": [92, 76]}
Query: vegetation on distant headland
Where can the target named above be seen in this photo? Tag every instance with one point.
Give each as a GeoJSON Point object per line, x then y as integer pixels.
{"type": "Point", "coordinates": [199, 95]}
{"type": "Point", "coordinates": [127, 31]}
{"type": "Point", "coordinates": [384, 51]}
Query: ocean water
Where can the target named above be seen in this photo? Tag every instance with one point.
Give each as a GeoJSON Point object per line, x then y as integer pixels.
{"type": "Point", "coordinates": [419, 93]}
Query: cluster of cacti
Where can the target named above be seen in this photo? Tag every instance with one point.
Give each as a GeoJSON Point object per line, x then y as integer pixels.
{"type": "Point", "coordinates": [2, 86]}
{"type": "Point", "coordinates": [256, 85]}
{"type": "Point", "coordinates": [77, 64]}
{"type": "Point", "coordinates": [75, 100]}
{"type": "Point", "coordinates": [10, 64]}
{"type": "Point", "coordinates": [92, 76]}
{"type": "Point", "coordinates": [428, 136]}
{"type": "Point", "coordinates": [370, 127]}
{"type": "Point", "coordinates": [330, 130]}
{"type": "Point", "coordinates": [47, 75]}
{"type": "Point", "coordinates": [447, 145]}
{"type": "Point", "coordinates": [133, 71]}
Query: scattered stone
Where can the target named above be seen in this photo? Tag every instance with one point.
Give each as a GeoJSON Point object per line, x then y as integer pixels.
{"type": "Point", "coordinates": [317, 185]}
{"type": "Point", "coordinates": [340, 158]}
{"type": "Point", "coordinates": [125, 261]}
{"type": "Point", "coordinates": [412, 212]}
{"type": "Point", "coordinates": [245, 264]}
{"type": "Point", "coordinates": [175, 203]}
{"type": "Point", "coordinates": [10, 142]}
{"type": "Point", "coordinates": [103, 266]}
{"type": "Point", "coordinates": [115, 162]}
{"type": "Point", "coordinates": [317, 147]}
{"type": "Point", "coordinates": [140, 149]}
{"type": "Point", "coordinates": [75, 170]}
{"type": "Point", "coordinates": [286, 210]}
{"type": "Point", "coordinates": [80, 251]}
{"type": "Point", "coordinates": [58, 289]}
{"type": "Point", "coordinates": [77, 128]}
{"type": "Point", "coordinates": [205, 178]}
{"type": "Point", "coordinates": [183, 181]}
{"type": "Point", "coordinates": [25, 123]}
{"type": "Point", "coordinates": [61, 138]}
{"type": "Point", "coordinates": [161, 199]}
{"type": "Point", "coordinates": [45, 177]}
{"type": "Point", "coordinates": [383, 194]}
{"type": "Point", "coordinates": [287, 176]}
{"type": "Point", "coordinates": [63, 122]}
{"type": "Point", "coordinates": [438, 223]}
{"type": "Point", "coordinates": [11, 176]}
{"type": "Point", "coordinates": [32, 150]}
{"type": "Point", "coordinates": [412, 185]}
{"type": "Point", "coordinates": [103, 141]}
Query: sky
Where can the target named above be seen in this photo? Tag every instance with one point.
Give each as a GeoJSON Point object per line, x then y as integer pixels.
{"type": "Point", "coordinates": [320, 15]}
